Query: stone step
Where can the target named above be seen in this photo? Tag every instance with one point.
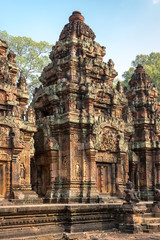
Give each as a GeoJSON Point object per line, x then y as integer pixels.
{"type": "Point", "coordinates": [5, 202]}
{"type": "Point", "coordinates": [34, 232]}
{"type": "Point", "coordinates": [110, 199]}
{"type": "Point", "coordinates": [27, 202]}
{"type": "Point", "coordinates": [152, 227]}
{"type": "Point", "coordinates": [149, 220]}
{"type": "Point", "coordinates": [146, 215]}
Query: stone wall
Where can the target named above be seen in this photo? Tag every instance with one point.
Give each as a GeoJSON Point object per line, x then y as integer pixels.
{"type": "Point", "coordinates": [37, 220]}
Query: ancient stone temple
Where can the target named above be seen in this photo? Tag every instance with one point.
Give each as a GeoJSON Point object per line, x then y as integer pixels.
{"type": "Point", "coordinates": [17, 126]}
{"type": "Point", "coordinates": [94, 142]}
{"type": "Point", "coordinates": [82, 139]}
{"type": "Point", "coordinates": [145, 163]}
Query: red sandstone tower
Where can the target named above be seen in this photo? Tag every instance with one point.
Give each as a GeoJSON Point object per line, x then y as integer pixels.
{"type": "Point", "coordinates": [17, 126]}
{"type": "Point", "coordinates": [145, 165]}
{"type": "Point", "coordinates": [82, 139]}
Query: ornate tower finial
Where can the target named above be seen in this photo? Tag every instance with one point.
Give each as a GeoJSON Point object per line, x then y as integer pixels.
{"type": "Point", "coordinates": [76, 28]}
{"type": "Point", "coordinates": [139, 69]}
{"type": "Point", "coordinates": [76, 16]}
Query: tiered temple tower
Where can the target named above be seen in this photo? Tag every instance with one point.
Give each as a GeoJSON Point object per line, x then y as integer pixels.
{"type": "Point", "coordinates": [83, 123]}
{"type": "Point", "coordinates": [145, 165]}
{"type": "Point", "coordinates": [17, 126]}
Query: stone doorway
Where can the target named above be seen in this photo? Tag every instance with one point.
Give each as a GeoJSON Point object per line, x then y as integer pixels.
{"type": "Point", "coordinates": [104, 178]}
{"type": "Point", "coordinates": [2, 179]}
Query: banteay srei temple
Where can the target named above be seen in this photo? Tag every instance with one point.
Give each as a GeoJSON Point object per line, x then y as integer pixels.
{"type": "Point", "coordinates": [84, 154]}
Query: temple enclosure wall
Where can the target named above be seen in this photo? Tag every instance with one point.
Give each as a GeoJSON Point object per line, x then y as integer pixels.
{"type": "Point", "coordinates": [90, 137]}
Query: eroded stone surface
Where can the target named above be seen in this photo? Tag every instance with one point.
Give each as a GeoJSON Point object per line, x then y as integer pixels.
{"type": "Point", "coordinates": [17, 126]}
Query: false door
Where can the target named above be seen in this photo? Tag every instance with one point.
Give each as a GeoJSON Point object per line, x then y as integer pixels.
{"type": "Point", "coordinates": [104, 178]}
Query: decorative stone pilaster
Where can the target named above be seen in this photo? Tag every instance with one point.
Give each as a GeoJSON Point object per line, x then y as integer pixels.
{"type": "Point", "coordinates": [157, 164]}
{"type": "Point", "coordinates": [133, 168]}
{"type": "Point", "coordinates": [92, 192]}
{"type": "Point", "coordinates": [50, 195]}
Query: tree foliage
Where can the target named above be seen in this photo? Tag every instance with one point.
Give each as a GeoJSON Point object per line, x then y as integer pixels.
{"type": "Point", "coordinates": [116, 80]}
{"type": "Point", "coordinates": [151, 64]}
{"type": "Point", "coordinates": [31, 57]}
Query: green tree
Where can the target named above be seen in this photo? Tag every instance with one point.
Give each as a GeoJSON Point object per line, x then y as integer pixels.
{"type": "Point", "coordinates": [116, 80]}
{"type": "Point", "coordinates": [127, 76]}
{"type": "Point", "coordinates": [31, 57]}
{"type": "Point", "coordinates": [151, 64]}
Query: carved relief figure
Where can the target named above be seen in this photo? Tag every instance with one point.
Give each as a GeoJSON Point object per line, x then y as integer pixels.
{"type": "Point", "coordinates": [108, 140]}
{"type": "Point", "coordinates": [22, 171]}
{"type": "Point", "coordinates": [2, 97]}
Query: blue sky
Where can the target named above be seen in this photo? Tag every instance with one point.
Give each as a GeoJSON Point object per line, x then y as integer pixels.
{"type": "Point", "coordinates": [125, 27]}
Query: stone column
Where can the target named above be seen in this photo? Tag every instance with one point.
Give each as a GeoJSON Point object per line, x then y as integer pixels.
{"type": "Point", "coordinates": [102, 180]}
{"type": "Point", "coordinates": [133, 168]}
{"type": "Point", "coordinates": [158, 175]}
{"type": "Point", "coordinates": [39, 179]}
{"type": "Point", "coordinates": [92, 192]}
{"type": "Point", "coordinates": [14, 169]}
{"type": "Point", "coordinates": [8, 180]}
{"type": "Point", "coordinates": [15, 174]}
{"type": "Point", "coordinates": [113, 179]}
{"type": "Point", "coordinates": [53, 174]}
{"type": "Point", "coordinates": [119, 181]}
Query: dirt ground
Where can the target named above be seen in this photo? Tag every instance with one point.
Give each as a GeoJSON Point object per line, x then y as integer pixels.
{"type": "Point", "coordinates": [97, 235]}
{"type": "Point", "coordinates": [116, 236]}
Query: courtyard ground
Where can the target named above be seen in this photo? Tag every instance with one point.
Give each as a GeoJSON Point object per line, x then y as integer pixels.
{"type": "Point", "coordinates": [97, 235]}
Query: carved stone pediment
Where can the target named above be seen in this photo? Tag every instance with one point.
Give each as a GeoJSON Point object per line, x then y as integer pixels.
{"type": "Point", "coordinates": [106, 139]}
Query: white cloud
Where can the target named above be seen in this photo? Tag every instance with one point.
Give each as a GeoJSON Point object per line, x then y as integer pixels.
{"type": "Point", "coordinates": [156, 1]}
